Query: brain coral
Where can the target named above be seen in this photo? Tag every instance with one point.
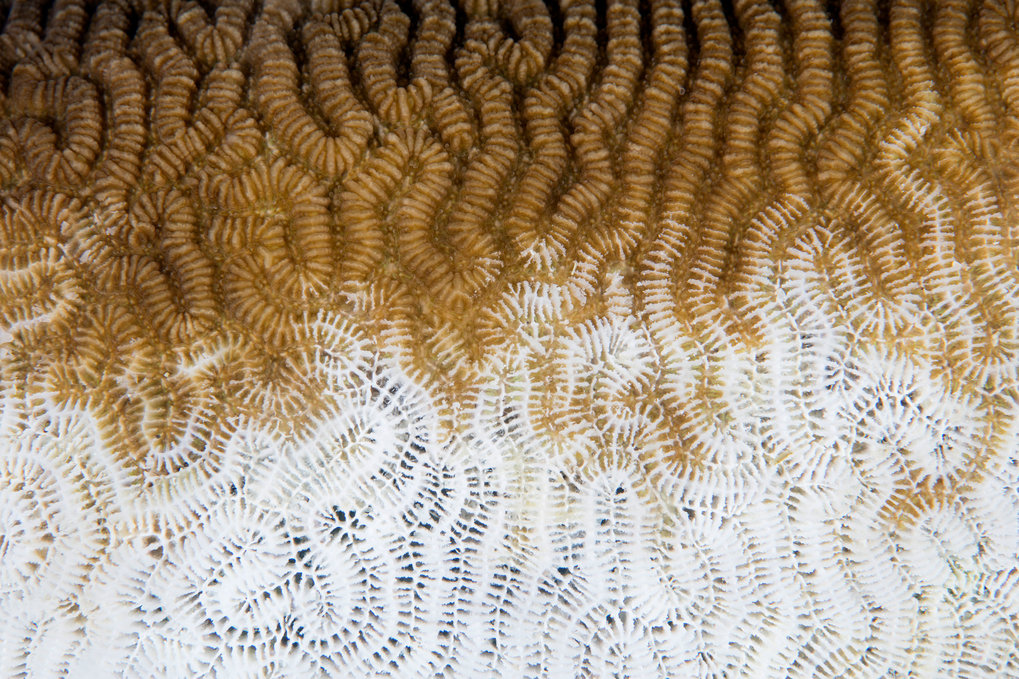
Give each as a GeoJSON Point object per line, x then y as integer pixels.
{"type": "Point", "coordinates": [638, 338]}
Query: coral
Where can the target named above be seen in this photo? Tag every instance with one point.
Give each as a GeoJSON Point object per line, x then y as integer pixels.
{"type": "Point", "coordinates": [509, 338]}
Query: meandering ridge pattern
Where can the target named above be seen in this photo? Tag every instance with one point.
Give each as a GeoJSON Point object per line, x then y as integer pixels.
{"type": "Point", "coordinates": [647, 338]}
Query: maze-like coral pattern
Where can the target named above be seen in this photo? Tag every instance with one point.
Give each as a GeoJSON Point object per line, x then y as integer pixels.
{"type": "Point", "coordinates": [637, 338]}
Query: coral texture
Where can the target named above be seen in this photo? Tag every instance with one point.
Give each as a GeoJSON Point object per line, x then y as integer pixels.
{"type": "Point", "coordinates": [639, 338]}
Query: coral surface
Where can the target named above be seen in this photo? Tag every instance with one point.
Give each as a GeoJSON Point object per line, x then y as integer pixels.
{"type": "Point", "coordinates": [635, 338]}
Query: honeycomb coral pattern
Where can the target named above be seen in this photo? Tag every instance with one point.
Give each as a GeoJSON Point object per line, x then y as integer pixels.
{"type": "Point", "coordinates": [637, 338]}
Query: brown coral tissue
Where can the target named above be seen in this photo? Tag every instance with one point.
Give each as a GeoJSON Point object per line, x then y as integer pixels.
{"type": "Point", "coordinates": [509, 338]}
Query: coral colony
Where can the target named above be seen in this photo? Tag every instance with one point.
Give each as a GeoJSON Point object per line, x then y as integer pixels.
{"type": "Point", "coordinates": [653, 339]}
